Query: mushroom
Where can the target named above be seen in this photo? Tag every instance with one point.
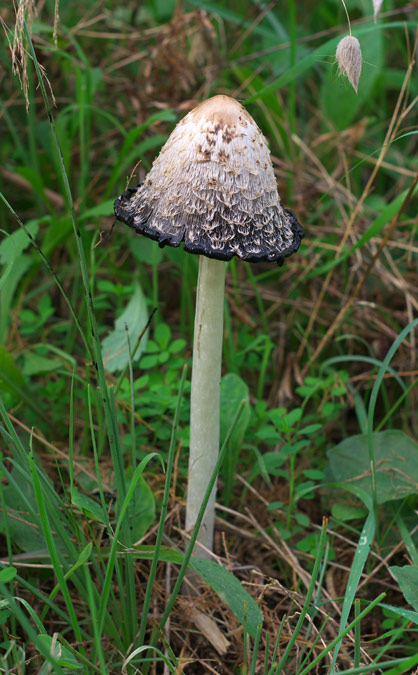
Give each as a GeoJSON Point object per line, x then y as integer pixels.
{"type": "Point", "coordinates": [213, 188]}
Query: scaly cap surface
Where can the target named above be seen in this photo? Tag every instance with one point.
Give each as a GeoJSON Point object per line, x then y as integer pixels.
{"type": "Point", "coordinates": [213, 187]}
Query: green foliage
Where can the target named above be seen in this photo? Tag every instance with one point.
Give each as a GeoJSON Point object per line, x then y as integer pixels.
{"type": "Point", "coordinates": [407, 578]}
{"type": "Point", "coordinates": [396, 458]}
{"type": "Point", "coordinates": [63, 655]}
{"type": "Point", "coordinates": [14, 264]}
{"type": "Point", "coordinates": [142, 510]}
{"type": "Point", "coordinates": [73, 495]}
{"type": "Point", "coordinates": [293, 433]}
{"type": "Point", "coordinates": [231, 592]}
{"type": "Point", "coordinates": [233, 391]}
{"type": "Point", "coordinates": [11, 379]}
{"type": "Point", "coordinates": [162, 349]}
{"type": "Point", "coordinates": [126, 341]}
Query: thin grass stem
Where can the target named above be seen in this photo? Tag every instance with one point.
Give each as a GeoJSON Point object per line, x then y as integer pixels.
{"type": "Point", "coordinates": [338, 639]}
{"type": "Point", "coordinates": [308, 598]}
{"type": "Point", "coordinates": [357, 633]}
{"type": "Point", "coordinates": [164, 508]}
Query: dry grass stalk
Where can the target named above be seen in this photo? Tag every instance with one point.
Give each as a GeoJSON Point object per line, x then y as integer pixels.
{"type": "Point", "coordinates": [56, 22]}
{"type": "Point", "coordinates": [330, 332]}
{"type": "Point", "coordinates": [397, 117]}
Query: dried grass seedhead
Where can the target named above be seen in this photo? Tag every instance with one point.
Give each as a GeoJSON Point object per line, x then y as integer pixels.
{"type": "Point", "coordinates": [376, 7]}
{"type": "Point", "coordinates": [19, 53]}
{"type": "Point", "coordinates": [349, 59]}
{"type": "Point", "coordinates": [25, 10]}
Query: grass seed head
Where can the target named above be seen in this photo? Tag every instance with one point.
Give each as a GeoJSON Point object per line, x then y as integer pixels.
{"type": "Point", "coordinates": [23, 9]}
{"type": "Point", "coordinates": [349, 59]}
{"type": "Point", "coordinates": [376, 7]}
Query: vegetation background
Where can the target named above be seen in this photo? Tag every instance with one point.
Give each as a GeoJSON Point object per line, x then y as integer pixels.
{"type": "Point", "coordinates": [96, 327]}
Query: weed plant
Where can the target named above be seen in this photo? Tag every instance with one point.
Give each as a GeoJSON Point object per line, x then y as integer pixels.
{"type": "Point", "coordinates": [316, 562]}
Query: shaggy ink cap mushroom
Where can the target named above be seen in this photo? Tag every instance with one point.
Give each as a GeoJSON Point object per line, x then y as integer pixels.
{"type": "Point", "coordinates": [213, 188]}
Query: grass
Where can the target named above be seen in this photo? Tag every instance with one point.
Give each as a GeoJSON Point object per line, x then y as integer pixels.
{"type": "Point", "coordinates": [315, 565]}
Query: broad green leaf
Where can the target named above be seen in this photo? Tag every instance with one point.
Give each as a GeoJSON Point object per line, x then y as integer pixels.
{"type": "Point", "coordinates": [7, 574]}
{"type": "Point", "coordinates": [233, 391]}
{"type": "Point", "coordinates": [400, 611]}
{"type": "Point", "coordinates": [58, 232]}
{"type": "Point", "coordinates": [5, 615]}
{"type": "Point", "coordinates": [138, 152]}
{"type": "Point", "coordinates": [88, 506]}
{"type": "Point", "coordinates": [231, 592]}
{"type": "Point", "coordinates": [347, 512]}
{"type": "Point", "coordinates": [133, 135]}
{"type": "Point", "coordinates": [103, 209]}
{"type": "Point", "coordinates": [35, 363]}
{"type": "Point", "coordinates": [273, 112]}
{"type": "Point", "coordinates": [14, 244]}
{"type": "Point", "coordinates": [360, 557]}
{"type": "Point", "coordinates": [15, 265]}
{"type": "Point", "coordinates": [22, 514]}
{"type": "Point", "coordinates": [165, 554]}
{"type": "Point", "coordinates": [141, 511]}
{"type": "Point", "coordinates": [407, 578]}
{"type": "Point", "coordinates": [63, 655]}
{"type": "Point", "coordinates": [33, 177]}
{"type": "Point", "coordinates": [115, 345]}
{"type": "Point", "coordinates": [11, 379]}
{"type": "Point", "coordinates": [396, 458]}
{"type": "Point", "coordinates": [163, 9]}
{"type": "Point", "coordinates": [162, 335]}
{"type": "Point", "coordinates": [130, 146]}
{"type": "Point", "coordinates": [293, 417]}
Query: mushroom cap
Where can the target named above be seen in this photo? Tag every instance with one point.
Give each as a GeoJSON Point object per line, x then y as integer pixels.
{"type": "Point", "coordinates": [213, 187]}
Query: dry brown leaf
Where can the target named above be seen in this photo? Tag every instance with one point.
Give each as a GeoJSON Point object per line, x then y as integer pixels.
{"type": "Point", "coordinates": [210, 630]}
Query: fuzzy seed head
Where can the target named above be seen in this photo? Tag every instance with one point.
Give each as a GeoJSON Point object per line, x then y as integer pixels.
{"type": "Point", "coordinates": [349, 59]}
{"type": "Point", "coordinates": [213, 188]}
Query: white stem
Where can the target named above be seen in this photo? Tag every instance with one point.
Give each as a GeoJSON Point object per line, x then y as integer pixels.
{"type": "Point", "coordinates": [204, 414]}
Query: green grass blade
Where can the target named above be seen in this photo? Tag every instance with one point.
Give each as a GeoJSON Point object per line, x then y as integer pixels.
{"type": "Point", "coordinates": [357, 566]}
{"type": "Point", "coordinates": [164, 507]}
{"type": "Point", "coordinates": [373, 399]}
{"type": "Point", "coordinates": [255, 650]}
{"type": "Point", "coordinates": [47, 532]}
{"type": "Point", "coordinates": [27, 626]}
{"type": "Point", "coordinates": [338, 639]}
{"type": "Point", "coordinates": [50, 269]}
{"type": "Point", "coordinates": [396, 666]}
{"type": "Point", "coordinates": [357, 634]}
{"type": "Point", "coordinates": [113, 549]}
{"type": "Point", "coordinates": [111, 423]}
{"type": "Point", "coordinates": [308, 598]}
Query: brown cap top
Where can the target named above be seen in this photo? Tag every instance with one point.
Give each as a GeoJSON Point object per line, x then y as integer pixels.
{"type": "Point", "coordinates": [213, 187]}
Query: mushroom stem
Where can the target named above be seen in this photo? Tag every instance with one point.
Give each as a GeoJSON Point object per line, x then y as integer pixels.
{"type": "Point", "coordinates": [205, 398]}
